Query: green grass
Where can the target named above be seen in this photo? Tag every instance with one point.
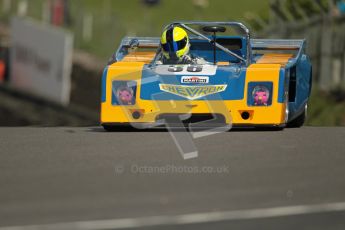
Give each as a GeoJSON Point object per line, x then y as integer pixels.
{"type": "Point", "coordinates": [324, 110]}
{"type": "Point", "coordinates": [114, 19]}
{"type": "Point", "coordinates": [120, 18]}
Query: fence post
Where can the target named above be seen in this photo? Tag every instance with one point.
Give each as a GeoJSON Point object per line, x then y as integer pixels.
{"type": "Point", "coordinates": [342, 53]}
{"type": "Point", "coordinates": [326, 55]}
{"type": "Point", "coordinates": [343, 73]}
{"type": "Point", "coordinates": [46, 8]}
{"type": "Point", "coordinates": [87, 27]}
{"type": "Point", "coordinates": [336, 75]}
{"type": "Point", "coordinates": [22, 8]}
{"type": "Point", "coordinates": [6, 6]}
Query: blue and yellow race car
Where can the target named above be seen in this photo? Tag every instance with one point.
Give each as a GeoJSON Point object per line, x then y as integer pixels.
{"type": "Point", "coordinates": [241, 82]}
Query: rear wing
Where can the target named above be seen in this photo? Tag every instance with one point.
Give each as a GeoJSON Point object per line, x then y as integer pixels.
{"type": "Point", "coordinates": [141, 49]}
{"type": "Point", "coordinates": [142, 42]}
{"type": "Point", "coordinates": [146, 48]}
{"type": "Point", "coordinates": [294, 47]}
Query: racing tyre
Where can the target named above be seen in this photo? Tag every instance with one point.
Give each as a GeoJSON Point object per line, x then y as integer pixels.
{"type": "Point", "coordinates": [299, 121]}
{"type": "Point", "coordinates": [110, 128]}
{"type": "Point", "coordinates": [117, 128]}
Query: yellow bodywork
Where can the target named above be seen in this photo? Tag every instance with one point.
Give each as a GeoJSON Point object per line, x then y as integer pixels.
{"type": "Point", "coordinates": [281, 59]}
{"type": "Point", "coordinates": [231, 110]}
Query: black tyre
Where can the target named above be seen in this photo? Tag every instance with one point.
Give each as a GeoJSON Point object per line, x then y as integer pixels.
{"type": "Point", "coordinates": [269, 129]}
{"type": "Point", "coordinates": [118, 128]}
{"type": "Point", "coordinates": [298, 121]}
{"type": "Point", "coordinates": [110, 128]}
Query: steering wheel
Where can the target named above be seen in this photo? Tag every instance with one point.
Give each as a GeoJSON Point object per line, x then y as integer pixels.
{"type": "Point", "coordinates": [214, 30]}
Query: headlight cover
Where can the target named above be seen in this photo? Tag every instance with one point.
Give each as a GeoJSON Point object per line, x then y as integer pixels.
{"type": "Point", "coordinates": [124, 92]}
{"type": "Point", "coordinates": [260, 93]}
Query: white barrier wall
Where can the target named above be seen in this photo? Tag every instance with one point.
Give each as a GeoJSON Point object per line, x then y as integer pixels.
{"type": "Point", "coordinates": [41, 60]}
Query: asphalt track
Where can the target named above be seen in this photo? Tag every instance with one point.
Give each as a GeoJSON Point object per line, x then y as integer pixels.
{"type": "Point", "coordinates": [84, 178]}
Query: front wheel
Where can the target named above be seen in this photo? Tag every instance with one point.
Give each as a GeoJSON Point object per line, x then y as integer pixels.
{"type": "Point", "coordinates": [300, 120]}
{"type": "Point", "coordinates": [110, 128]}
{"type": "Point", "coordinates": [118, 128]}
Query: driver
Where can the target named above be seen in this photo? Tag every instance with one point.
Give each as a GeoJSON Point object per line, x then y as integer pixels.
{"type": "Point", "coordinates": [175, 48]}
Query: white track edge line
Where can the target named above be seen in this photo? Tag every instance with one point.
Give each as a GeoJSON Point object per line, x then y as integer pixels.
{"type": "Point", "coordinates": [196, 218]}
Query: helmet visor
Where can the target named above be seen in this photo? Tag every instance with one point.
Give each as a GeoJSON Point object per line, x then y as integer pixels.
{"type": "Point", "coordinates": [181, 44]}
{"type": "Point", "coordinates": [172, 47]}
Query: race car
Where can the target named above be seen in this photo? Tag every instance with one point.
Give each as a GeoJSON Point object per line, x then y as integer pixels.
{"type": "Point", "coordinates": [244, 82]}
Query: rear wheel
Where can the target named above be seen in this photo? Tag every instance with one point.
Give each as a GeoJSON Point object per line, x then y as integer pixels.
{"type": "Point", "coordinates": [300, 120]}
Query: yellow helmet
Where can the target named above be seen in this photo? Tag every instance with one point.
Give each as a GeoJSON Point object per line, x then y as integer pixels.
{"type": "Point", "coordinates": [175, 43]}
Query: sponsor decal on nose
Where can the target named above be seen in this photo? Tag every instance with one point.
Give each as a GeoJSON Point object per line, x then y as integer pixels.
{"type": "Point", "coordinates": [192, 92]}
{"type": "Point", "coordinates": [195, 79]}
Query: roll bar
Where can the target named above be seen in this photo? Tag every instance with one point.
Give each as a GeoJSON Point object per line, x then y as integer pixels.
{"type": "Point", "coordinates": [244, 29]}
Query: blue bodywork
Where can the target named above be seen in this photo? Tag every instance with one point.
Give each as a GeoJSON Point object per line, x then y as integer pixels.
{"type": "Point", "coordinates": [234, 80]}
{"type": "Point", "coordinates": [299, 93]}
